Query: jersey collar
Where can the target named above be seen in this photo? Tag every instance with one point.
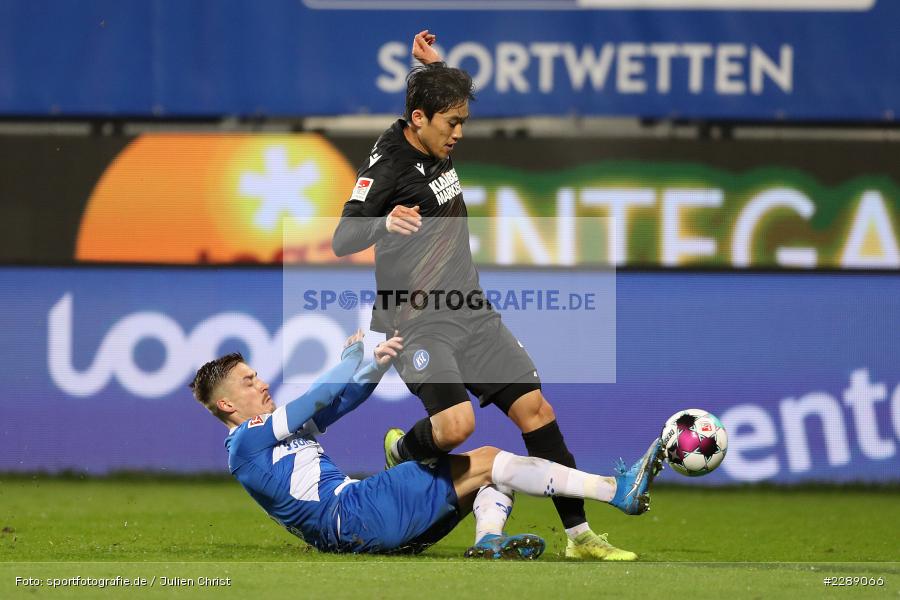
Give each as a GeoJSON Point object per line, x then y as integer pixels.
{"type": "Point", "coordinates": [399, 128]}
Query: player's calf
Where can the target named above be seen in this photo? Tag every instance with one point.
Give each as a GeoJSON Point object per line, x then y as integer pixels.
{"type": "Point", "coordinates": [417, 444]}
{"type": "Point", "coordinates": [446, 428]}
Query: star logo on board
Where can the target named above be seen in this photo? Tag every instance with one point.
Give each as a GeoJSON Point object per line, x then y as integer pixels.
{"type": "Point", "coordinates": [282, 189]}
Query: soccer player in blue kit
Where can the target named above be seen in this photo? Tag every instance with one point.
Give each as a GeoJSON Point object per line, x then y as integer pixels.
{"type": "Point", "coordinates": [274, 454]}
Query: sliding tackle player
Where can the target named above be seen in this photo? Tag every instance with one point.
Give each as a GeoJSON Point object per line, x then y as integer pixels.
{"type": "Point", "coordinates": [274, 454]}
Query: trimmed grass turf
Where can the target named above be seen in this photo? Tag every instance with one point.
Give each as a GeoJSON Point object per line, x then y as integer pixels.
{"type": "Point", "coordinates": [787, 540]}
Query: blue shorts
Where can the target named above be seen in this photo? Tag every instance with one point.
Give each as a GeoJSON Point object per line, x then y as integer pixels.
{"type": "Point", "coordinates": [404, 509]}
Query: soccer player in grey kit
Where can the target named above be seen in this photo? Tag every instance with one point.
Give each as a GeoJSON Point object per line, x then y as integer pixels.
{"type": "Point", "coordinates": [407, 180]}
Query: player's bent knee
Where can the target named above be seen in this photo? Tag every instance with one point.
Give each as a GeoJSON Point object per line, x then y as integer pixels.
{"type": "Point", "coordinates": [545, 412]}
{"type": "Point", "coordinates": [452, 435]}
{"type": "Point", "coordinates": [486, 452]}
{"type": "Point", "coordinates": [483, 462]}
{"type": "Point", "coordinates": [532, 411]}
{"type": "Point", "coordinates": [453, 426]}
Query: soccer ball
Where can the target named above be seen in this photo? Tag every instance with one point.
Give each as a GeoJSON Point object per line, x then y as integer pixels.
{"type": "Point", "coordinates": [695, 442]}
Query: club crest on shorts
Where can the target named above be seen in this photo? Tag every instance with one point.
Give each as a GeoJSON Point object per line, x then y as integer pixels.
{"type": "Point", "coordinates": [420, 359]}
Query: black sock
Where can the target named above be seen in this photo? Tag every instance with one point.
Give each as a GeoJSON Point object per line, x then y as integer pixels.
{"type": "Point", "coordinates": [547, 442]}
{"type": "Point", "coordinates": [418, 443]}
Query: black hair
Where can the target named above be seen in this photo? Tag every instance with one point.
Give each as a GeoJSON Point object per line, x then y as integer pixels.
{"type": "Point", "coordinates": [435, 88]}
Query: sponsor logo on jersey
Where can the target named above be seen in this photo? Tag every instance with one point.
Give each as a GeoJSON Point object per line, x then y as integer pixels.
{"type": "Point", "coordinates": [361, 189]}
{"type": "Point", "coordinates": [296, 442]}
{"type": "Point", "coordinates": [257, 421]}
{"type": "Point", "coordinates": [374, 159]}
{"type": "Point", "coordinates": [420, 168]}
{"type": "Point", "coordinates": [446, 186]}
{"type": "Point", "coordinates": [420, 359]}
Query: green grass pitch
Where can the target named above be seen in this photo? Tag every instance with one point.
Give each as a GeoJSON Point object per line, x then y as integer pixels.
{"type": "Point", "coordinates": [739, 543]}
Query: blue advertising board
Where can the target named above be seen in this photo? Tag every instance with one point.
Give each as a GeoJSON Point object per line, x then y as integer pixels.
{"type": "Point", "coordinates": [801, 368]}
{"type": "Point", "coordinates": [722, 59]}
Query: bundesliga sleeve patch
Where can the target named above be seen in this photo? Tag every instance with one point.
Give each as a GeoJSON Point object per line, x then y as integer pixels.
{"type": "Point", "coordinates": [361, 190]}
{"type": "Point", "coordinates": [258, 420]}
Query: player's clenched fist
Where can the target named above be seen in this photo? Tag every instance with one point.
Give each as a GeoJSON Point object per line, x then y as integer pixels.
{"type": "Point", "coordinates": [404, 220]}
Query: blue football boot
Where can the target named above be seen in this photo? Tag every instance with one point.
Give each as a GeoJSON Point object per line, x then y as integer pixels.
{"type": "Point", "coordinates": [633, 485]}
{"type": "Point", "coordinates": [525, 546]}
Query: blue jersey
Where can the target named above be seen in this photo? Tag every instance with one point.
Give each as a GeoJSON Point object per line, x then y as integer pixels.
{"type": "Point", "coordinates": [277, 459]}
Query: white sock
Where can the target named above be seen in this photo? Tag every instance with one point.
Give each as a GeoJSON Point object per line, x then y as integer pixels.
{"type": "Point", "coordinates": [491, 509]}
{"type": "Point", "coordinates": [395, 451]}
{"type": "Point", "coordinates": [574, 532]}
{"type": "Point", "coordinates": [539, 477]}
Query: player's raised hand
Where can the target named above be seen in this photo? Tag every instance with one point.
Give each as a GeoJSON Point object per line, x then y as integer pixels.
{"type": "Point", "coordinates": [356, 337]}
{"type": "Point", "coordinates": [388, 350]}
{"type": "Point", "coordinates": [422, 49]}
{"type": "Point", "coordinates": [404, 220]}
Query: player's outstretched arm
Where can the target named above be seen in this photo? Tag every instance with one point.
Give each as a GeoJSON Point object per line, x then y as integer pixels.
{"type": "Point", "coordinates": [364, 382]}
{"type": "Point", "coordinates": [325, 390]}
{"type": "Point", "coordinates": [355, 235]}
{"type": "Point", "coordinates": [265, 431]}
